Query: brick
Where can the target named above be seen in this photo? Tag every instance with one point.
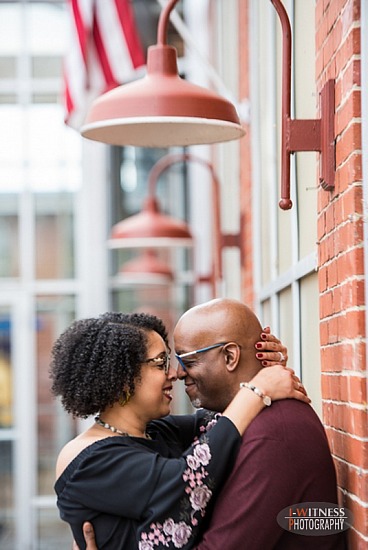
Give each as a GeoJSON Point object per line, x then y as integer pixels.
{"type": "Point", "coordinates": [334, 387]}
{"type": "Point", "coordinates": [350, 201]}
{"type": "Point", "coordinates": [351, 324]}
{"type": "Point", "coordinates": [350, 109]}
{"type": "Point", "coordinates": [322, 278]}
{"type": "Point", "coordinates": [349, 175]}
{"type": "Point", "coordinates": [354, 480]}
{"type": "Point", "coordinates": [348, 142]}
{"type": "Point", "coordinates": [348, 448]}
{"type": "Point", "coordinates": [351, 420]}
{"type": "Point", "coordinates": [360, 518]}
{"type": "Point", "coordinates": [357, 388]}
{"type": "Point", "coordinates": [350, 264]}
{"type": "Point", "coordinates": [355, 540]}
{"type": "Point", "coordinates": [351, 293]}
{"type": "Point", "coordinates": [339, 354]}
{"type": "Point", "coordinates": [348, 48]}
{"type": "Point", "coordinates": [349, 80]}
{"type": "Point", "coordinates": [326, 304]}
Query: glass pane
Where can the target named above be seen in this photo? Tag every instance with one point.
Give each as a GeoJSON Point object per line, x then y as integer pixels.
{"type": "Point", "coordinates": [157, 301]}
{"type": "Point", "coordinates": [55, 427]}
{"type": "Point", "coordinates": [10, 29]}
{"type": "Point", "coordinates": [6, 375]}
{"type": "Point", "coordinates": [11, 141]}
{"type": "Point", "coordinates": [53, 150]}
{"type": "Point", "coordinates": [47, 26]}
{"type": "Point", "coordinates": [306, 106]}
{"type": "Point", "coordinates": [7, 503]}
{"type": "Point", "coordinates": [7, 66]}
{"type": "Point", "coordinates": [286, 324]}
{"type": "Point", "coordinates": [54, 235]}
{"type": "Point", "coordinates": [46, 67]}
{"type": "Point", "coordinates": [310, 342]}
{"type": "Point", "coordinates": [9, 235]}
{"type": "Point", "coordinates": [53, 534]}
{"type": "Point", "coordinates": [7, 541]}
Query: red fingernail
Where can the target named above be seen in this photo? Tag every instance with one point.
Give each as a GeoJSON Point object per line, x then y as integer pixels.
{"type": "Point", "coordinates": [259, 355]}
{"type": "Point", "coordinates": [263, 336]}
{"type": "Point", "coordinates": [259, 345]}
{"type": "Point", "coordinates": [264, 363]}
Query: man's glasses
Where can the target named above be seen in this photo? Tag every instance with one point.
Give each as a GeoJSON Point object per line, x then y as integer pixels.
{"type": "Point", "coordinates": [162, 363]}
{"type": "Point", "coordinates": [202, 350]}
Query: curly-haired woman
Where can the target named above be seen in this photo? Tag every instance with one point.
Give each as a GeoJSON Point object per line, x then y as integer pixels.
{"type": "Point", "coordinates": [144, 483]}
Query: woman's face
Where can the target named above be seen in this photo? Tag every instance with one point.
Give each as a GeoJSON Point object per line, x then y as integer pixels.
{"type": "Point", "coordinates": [153, 393]}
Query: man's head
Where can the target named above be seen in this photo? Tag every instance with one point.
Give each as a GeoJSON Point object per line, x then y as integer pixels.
{"type": "Point", "coordinates": [212, 377]}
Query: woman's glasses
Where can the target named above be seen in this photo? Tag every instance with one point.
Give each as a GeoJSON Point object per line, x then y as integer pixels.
{"type": "Point", "coordinates": [162, 362]}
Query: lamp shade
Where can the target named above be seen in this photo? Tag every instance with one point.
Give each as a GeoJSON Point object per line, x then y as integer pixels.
{"type": "Point", "coordinates": [150, 229]}
{"type": "Point", "coordinates": [161, 110]}
{"type": "Point", "coordinates": [146, 269]}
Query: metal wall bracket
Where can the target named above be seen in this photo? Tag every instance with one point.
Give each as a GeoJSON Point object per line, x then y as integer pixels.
{"type": "Point", "coordinates": [304, 135]}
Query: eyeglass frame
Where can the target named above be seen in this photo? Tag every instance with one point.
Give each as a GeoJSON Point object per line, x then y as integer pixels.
{"type": "Point", "coordinates": [179, 356]}
{"type": "Point", "coordinates": [166, 365]}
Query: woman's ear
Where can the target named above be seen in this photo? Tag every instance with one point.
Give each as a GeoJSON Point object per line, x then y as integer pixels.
{"type": "Point", "coordinates": [231, 351]}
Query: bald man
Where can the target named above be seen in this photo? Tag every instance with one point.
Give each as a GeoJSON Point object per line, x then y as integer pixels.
{"type": "Point", "coordinates": [284, 457]}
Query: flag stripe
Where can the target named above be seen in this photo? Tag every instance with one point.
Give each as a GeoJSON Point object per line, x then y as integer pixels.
{"type": "Point", "coordinates": [104, 52]}
{"type": "Point", "coordinates": [110, 81]}
{"type": "Point", "coordinates": [82, 32]}
{"type": "Point", "coordinates": [126, 19]}
{"type": "Point", "coordinates": [115, 41]}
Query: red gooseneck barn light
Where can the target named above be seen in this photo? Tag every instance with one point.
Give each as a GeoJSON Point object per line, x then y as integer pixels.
{"type": "Point", "coordinates": [145, 269]}
{"type": "Point", "coordinates": [162, 109]}
{"type": "Point", "coordinates": [304, 135]}
{"type": "Point", "coordinates": [150, 229]}
{"type": "Point", "coordinates": [220, 240]}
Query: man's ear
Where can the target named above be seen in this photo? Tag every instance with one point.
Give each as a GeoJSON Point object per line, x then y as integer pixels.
{"type": "Point", "coordinates": [231, 352]}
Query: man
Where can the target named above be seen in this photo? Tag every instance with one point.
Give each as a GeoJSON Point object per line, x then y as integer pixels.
{"type": "Point", "coordinates": [284, 458]}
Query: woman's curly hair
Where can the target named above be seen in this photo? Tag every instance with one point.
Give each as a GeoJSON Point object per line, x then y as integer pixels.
{"type": "Point", "coordinates": [96, 360]}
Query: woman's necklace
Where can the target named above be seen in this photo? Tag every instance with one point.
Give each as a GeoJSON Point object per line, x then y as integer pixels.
{"type": "Point", "coordinates": [116, 430]}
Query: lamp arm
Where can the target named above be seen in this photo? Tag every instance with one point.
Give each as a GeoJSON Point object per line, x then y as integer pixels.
{"type": "Point", "coordinates": [285, 202]}
{"type": "Point", "coordinates": [209, 69]}
{"type": "Point", "coordinates": [304, 135]}
{"type": "Point", "coordinates": [163, 22]}
{"type": "Point", "coordinates": [172, 158]}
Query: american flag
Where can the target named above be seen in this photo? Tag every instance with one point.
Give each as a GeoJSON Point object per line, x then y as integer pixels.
{"type": "Point", "coordinates": [104, 52]}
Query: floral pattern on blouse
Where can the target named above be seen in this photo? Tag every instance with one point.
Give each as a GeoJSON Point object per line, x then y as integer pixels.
{"type": "Point", "coordinates": [177, 534]}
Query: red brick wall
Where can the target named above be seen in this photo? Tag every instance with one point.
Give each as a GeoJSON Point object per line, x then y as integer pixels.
{"type": "Point", "coordinates": [341, 267]}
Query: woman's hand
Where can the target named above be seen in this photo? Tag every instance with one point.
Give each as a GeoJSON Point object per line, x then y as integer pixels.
{"type": "Point", "coordinates": [270, 350]}
{"type": "Point", "coordinates": [280, 383]}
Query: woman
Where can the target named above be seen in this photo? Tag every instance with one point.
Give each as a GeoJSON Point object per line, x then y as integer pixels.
{"type": "Point", "coordinates": [129, 474]}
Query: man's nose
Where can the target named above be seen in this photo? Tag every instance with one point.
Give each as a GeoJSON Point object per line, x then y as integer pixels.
{"type": "Point", "coordinates": [181, 373]}
{"type": "Point", "coordinates": [172, 374]}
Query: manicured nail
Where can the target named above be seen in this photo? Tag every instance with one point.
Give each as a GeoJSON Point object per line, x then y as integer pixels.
{"type": "Point", "coordinates": [263, 336]}
{"type": "Point", "coordinates": [264, 363]}
{"type": "Point", "coordinates": [259, 355]}
{"type": "Point", "coordinates": [259, 345]}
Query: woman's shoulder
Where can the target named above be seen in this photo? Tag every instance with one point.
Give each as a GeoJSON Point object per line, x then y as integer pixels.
{"type": "Point", "coordinates": [72, 449]}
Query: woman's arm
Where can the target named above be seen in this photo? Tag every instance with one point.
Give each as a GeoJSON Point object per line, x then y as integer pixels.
{"type": "Point", "coordinates": [182, 488]}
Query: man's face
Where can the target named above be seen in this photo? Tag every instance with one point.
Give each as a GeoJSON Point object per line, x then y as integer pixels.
{"type": "Point", "coordinates": [203, 372]}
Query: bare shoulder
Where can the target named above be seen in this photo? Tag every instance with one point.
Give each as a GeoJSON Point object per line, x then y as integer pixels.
{"type": "Point", "coordinates": [72, 449]}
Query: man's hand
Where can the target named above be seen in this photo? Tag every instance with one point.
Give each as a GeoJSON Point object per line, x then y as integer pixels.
{"type": "Point", "coordinates": [89, 537]}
